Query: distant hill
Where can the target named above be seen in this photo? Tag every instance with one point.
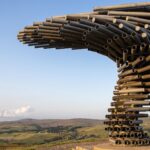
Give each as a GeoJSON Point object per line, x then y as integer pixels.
{"type": "Point", "coordinates": [45, 123]}
{"type": "Point", "coordinates": [36, 134]}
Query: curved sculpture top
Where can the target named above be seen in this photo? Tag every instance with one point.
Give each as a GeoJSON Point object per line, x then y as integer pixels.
{"type": "Point", "coordinates": [110, 31]}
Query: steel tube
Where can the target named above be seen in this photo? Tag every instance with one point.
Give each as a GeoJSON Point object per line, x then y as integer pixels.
{"type": "Point", "coordinates": [124, 6]}
{"type": "Point", "coordinates": [122, 13]}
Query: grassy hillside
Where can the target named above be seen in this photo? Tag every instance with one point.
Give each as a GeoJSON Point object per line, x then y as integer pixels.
{"type": "Point", "coordinates": [42, 133]}
{"type": "Point", "coordinates": [33, 134]}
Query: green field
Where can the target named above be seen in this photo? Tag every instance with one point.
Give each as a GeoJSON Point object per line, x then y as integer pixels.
{"type": "Point", "coordinates": [36, 134]}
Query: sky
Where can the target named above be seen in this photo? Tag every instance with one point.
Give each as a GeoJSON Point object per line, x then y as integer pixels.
{"type": "Point", "coordinates": [62, 84]}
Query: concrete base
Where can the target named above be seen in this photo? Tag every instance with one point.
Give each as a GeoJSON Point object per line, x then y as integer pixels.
{"type": "Point", "coordinates": [93, 148]}
{"type": "Point", "coordinates": [99, 148]}
{"type": "Point", "coordinates": [107, 146]}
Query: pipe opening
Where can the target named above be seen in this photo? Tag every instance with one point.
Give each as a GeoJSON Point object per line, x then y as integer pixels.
{"type": "Point", "coordinates": [85, 33]}
{"type": "Point", "coordinates": [116, 37]}
{"type": "Point", "coordinates": [124, 35]}
{"type": "Point", "coordinates": [109, 41]}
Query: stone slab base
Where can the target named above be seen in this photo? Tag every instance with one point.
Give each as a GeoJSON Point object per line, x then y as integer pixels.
{"type": "Point", "coordinates": [93, 148]}
{"type": "Point", "coordinates": [108, 146]}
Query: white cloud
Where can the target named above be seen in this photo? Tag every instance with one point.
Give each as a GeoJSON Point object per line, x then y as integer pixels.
{"type": "Point", "coordinates": [15, 112]}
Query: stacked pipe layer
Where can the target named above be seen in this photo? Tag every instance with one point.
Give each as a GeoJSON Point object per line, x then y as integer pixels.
{"type": "Point", "coordinates": [130, 102]}
{"type": "Point", "coordinates": [122, 33]}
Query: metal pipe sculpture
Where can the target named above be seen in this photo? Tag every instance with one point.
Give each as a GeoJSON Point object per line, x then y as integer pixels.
{"type": "Point", "coordinates": [122, 33]}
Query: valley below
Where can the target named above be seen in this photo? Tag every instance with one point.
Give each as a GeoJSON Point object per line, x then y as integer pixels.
{"type": "Point", "coordinates": [53, 134]}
